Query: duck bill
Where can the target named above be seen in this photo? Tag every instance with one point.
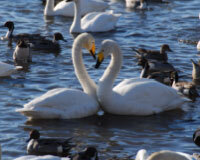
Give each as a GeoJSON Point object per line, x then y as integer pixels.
{"type": "Point", "coordinates": [64, 40]}
{"type": "Point", "coordinates": [170, 50]}
{"type": "Point", "coordinates": [28, 140]}
{"type": "Point", "coordinates": [92, 51]}
{"type": "Point", "coordinates": [99, 59]}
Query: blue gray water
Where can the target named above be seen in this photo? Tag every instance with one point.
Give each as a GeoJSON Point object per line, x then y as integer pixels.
{"type": "Point", "coordinates": [119, 136]}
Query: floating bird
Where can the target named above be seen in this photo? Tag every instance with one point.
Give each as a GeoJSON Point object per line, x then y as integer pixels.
{"type": "Point", "coordinates": [196, 71]}
{"type": "Point", "coordinates": [65, 8]}
{"type": "Point", "coordinates": [93, 21]}
{"type": "Point", "coordinates": [186, 88]}
{"type": "Point", "coordinates": [22, 52]}
{"type": "Point", "coordinates": [135, 4]}
{"type": "Point", "coordinates": [151, 54]}
{"type": "Point", "coordinates": [7, 69]}
{"type": "Point", "coordinates": [66, 103]}
{"type": "Point", "coordinates": [136, 96]}
{"type": "Point", "coordinates": [56, 147]}
{"type": "Point", "coordinates": [163, 155]}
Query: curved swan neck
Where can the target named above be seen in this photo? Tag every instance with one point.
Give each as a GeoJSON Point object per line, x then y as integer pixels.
{"type": "Point", "coordinates": [86, 82]}
{"type": "Point", "coordinates": [76, 25]}
{"type": "Point", "coordinates": [49, 8]}
{"type": "Point", "coordinates": [111, 72]}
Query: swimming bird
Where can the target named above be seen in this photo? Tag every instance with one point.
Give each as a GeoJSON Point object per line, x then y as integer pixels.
{"type": "Point", "coordinates": [151, 66]}
{"type": "Point", "coordinates": [22, 52]}
{"type": "Point", "coordinates": [66, 103]}
{"type": "Point", "coordinates": [135, 4]}
{"type": "Point", "coordinates": [66, 8]}
{"type": "Point", "coordinates": [9, 35]}
{"type": "Point", "coordinates": [90, 153]}
{"type": "Point", "coordinates": [48, 146]}
{"type": "Point", "coordinates": [46, 44]}
{"type": "Point", "coordinates": [163, 155]}
{"type": "Point", "coordinates": [186, 88]}
{"type": "Point", "coordinates": [196, 71]}
{"type": "Point", "coordinates": [152, 54]}
{"type": "Point", "coordinates": [135, 96]}
{"type": "Point", "coordinates": [7, 69]}
{"type": "Point", "coordinates": [93, 21]}
{"type": "Point", "coordinates": [196, 137]}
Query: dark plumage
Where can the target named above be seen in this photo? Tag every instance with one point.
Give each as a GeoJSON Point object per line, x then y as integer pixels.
{"type": "Point", "coordinates": [196, 137]}
{"type": "Point", "coordinates": [57, 147]}
{"type": "Point", "coordinates": [152, 54]}
{"type": "Point", "coordinates": [89, 154]}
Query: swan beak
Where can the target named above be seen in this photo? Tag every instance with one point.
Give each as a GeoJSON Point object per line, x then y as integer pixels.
{"type": "Point", "coordinates": [92, 51]}
{"type": "Point", "coordinates": [100, 59]}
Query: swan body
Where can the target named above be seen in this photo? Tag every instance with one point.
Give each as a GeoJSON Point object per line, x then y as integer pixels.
{"type": "Point", "coordinates": [163, 155]}
{"type": "Point", "coordinates": [7, 69]}
{"type": "Point", "coordinates": [66, 103]}
{"type": "Point", "coordinates": [94, 21]}
{"type": "Point", "coordinates": [46, 157]}
{"type": "Point", "coordinates": [134, 96]}
{"type": "Point", "coordinates": [198, 46]}
{"type": "Point", "coordinates": [67, 8]}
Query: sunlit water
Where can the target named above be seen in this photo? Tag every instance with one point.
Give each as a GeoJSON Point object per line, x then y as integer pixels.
{"type": "Point", "coordinates": [119, 136]}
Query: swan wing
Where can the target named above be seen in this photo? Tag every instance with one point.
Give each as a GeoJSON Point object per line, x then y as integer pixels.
{"type": "Point", "coordinates": [6, 69]}
{"type": "Point", "coordinates": [60, 103]}
{"type": "Point", "coordinates": [99, 21]}
{"type": "Point", "coordinates": [145, 97]}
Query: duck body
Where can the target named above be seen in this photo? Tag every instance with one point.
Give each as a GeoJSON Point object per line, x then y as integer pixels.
{"type": "Point", "coordinates": [153, 54]}
{"type": "Point", "coordinates": [48, 146]}
{"type": "Point", "coordinates": [22, 52]}
{"type": "Point", "coordinates": [94, 21]}
{"type": "Point", "coordinates": [65, 8]}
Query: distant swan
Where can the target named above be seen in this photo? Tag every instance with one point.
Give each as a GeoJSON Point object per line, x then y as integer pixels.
{"type": "Point", "coordinates": [132, 96]}
{"type": "Point", "coordinates": [92, 22]}
{"type": "Point", "coordinates": [66, 103]}
{"type": "Point", "coordinates": [67, 8]}
{"type": "Point", "coordinates": [163, 155]}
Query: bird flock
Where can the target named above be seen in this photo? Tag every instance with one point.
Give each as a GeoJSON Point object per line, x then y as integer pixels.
{"type": "Point", "coordinates": [133, 96]}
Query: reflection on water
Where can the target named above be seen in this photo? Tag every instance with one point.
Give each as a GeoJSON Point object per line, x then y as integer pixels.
{"type": "Point", "coordinates": [119, 136]}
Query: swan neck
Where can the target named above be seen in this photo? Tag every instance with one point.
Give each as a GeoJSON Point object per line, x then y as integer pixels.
{"type": "Point", "coordinates": [49, 7]}
{"type": "Point", "coordinates": [111, 72]}
{"type": "Point", "coordinates": [76, 25]}
{"type": "Point", "coordinates": [86, 82]}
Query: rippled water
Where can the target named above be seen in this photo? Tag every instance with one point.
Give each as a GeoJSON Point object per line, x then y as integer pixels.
{"type": "Point", "coordinates": [113, 135]}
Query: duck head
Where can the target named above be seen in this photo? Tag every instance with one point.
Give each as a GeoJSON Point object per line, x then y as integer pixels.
{"type": "Point", "coordinates": [34, 134]}
{"type": "Point", "coordinates": [164, 48]}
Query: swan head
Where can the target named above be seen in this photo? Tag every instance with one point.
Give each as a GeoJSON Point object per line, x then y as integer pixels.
{"type": "Point", "coordinates": [87, 41]}
{"type": "Point", "coordinates": [107, 47]}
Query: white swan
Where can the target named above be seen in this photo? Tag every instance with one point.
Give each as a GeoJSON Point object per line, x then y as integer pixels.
{"type": "Point", "coordinates": [7, 69]}
{"type": "Point", "coordinates": [198, 46]}
{"type": "Point", "coordinates": [94, 21]}
{"type": "Point", "coordinates": [132, 96]}
{"type": "Point", "coordinates": [67, 8]}
{"type": "Point", "coordinates": [163, 155]}
{"type": "Point", "coordinates": [46, 157]}
{"type": "Point", "coordinates": [65, 103]}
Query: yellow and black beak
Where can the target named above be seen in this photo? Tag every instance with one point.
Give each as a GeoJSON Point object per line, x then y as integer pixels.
{"type": "Point", "coordinates": [92, 51]}
{"type": "Point", "coordinates": [100, 59]}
